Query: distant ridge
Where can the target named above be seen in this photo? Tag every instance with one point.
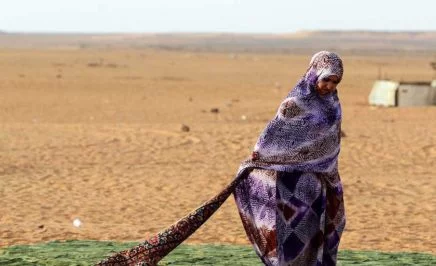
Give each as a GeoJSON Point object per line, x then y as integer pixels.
{"type": "Point", "coordinates": [356, 42]}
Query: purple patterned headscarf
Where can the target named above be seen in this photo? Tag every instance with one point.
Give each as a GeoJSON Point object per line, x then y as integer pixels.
{"type": "Point", "coordinates": [304, 135]}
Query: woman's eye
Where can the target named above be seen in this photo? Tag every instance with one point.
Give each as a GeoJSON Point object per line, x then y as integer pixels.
{"type": "Point", "coordinates": [326, 79]}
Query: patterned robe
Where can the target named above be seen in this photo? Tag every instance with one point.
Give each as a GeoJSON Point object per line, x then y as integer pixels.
{"type": "Point", "coordinates": [289, 193]}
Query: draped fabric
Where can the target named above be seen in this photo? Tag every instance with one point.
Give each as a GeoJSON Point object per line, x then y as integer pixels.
{"type": "Point", "coordinates": [288, 194]}
{"type": "Point", "coordinates": [151, 251]}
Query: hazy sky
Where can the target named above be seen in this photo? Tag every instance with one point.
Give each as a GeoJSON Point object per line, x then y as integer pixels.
{"type": "Point", "coordinates": [215, 16]}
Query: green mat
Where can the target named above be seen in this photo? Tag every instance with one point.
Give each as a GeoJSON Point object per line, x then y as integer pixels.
{"type": "Point", "coordinates": [89, 252]}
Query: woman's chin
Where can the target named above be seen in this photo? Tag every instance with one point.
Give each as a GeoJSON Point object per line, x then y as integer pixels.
{"type": "Point", "coordinates": [324, 93]}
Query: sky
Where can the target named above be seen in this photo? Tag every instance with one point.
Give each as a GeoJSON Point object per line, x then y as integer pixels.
{"type": "Point", "coordinates": [239, 16]}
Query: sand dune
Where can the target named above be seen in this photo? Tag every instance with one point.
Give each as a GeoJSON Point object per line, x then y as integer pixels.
{"type": "Point", "coordinates": [96, 135]}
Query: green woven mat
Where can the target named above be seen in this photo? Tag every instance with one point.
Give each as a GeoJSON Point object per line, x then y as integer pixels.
{"type": "Point", "coordinates": [89, 252]}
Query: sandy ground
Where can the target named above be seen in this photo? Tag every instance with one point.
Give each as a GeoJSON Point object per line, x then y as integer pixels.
{"type": "Point", "coordinates": [96, 135]}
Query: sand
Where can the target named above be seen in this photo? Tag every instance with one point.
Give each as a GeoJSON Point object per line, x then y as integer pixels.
{"type": "Point", "coordinates": [96, 135]}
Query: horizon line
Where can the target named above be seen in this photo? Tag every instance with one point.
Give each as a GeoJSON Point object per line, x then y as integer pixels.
{"type": "Point", "coordinates": [5, 32]}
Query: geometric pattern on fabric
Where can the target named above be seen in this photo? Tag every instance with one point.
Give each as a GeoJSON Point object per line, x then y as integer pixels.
{"type": "Point", "coordinates": [259, 215]}
{"type": "Point", "coordinates": [297, 230]}
{"type": "Point", "coordinates": [303, 240]}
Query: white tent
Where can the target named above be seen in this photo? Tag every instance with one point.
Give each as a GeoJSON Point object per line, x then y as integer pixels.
{"type": "Point", "coordinates": [392, 93]}
{"type": "Point", "coordinates": [383, 93]}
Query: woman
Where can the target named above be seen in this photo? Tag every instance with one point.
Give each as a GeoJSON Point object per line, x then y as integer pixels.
{"type": "Point", "coordinates": [291, 204]}
{"type": "Point", "coordinates": [288, 194]}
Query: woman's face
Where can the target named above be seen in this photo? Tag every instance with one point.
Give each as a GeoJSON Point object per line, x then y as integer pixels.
{"type": "Point", "coordinates": [327, 85]}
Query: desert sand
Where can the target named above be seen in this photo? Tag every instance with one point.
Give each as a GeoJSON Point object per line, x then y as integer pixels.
{"type": "Point", "coordinates": [96, 135]}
